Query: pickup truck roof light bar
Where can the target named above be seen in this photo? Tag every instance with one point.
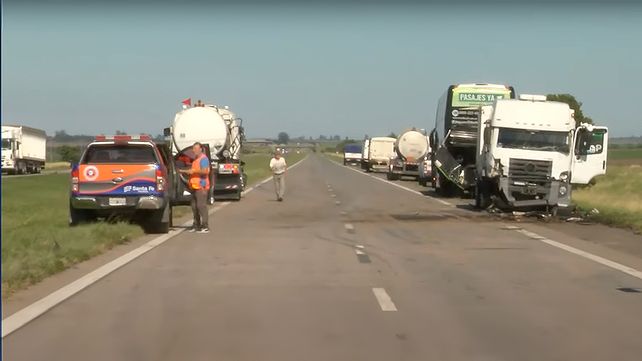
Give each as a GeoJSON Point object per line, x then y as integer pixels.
{"type": "Point", "coordinates": [123, 138]}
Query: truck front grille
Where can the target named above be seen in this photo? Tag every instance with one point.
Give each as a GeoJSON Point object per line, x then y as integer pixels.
{"type": "Point", "coordinates": [532, 171]}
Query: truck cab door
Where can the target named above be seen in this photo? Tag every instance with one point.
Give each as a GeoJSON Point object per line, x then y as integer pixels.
{"type": "Point", "coordinates": [589, 153]}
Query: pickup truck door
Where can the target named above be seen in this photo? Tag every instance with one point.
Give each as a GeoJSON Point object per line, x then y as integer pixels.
{"type": "Point", "coordinates": [590, 148]}
{"type": "Point", "coordinates": [168, 160]}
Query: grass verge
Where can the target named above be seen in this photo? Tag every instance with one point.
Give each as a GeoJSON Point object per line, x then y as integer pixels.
{"type": "Point", "coordinates": [37, 241]}
{"type": "Point", "coordinates": [617, 196]}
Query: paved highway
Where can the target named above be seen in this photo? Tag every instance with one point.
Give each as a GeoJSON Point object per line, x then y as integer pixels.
{"type": "Point", "coordinates": [350, 267]}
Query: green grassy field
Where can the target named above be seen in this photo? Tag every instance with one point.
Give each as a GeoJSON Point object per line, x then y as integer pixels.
{"type": "Point", "coordinates": [616, 195]}
{"type": "Point", "coordinates": [36, 240]}
{"type": "Point", "coordinates": [625, 156]}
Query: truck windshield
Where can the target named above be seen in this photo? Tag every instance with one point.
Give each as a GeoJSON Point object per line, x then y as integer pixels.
{"type": "Point", "coordinates": [533, 140]}
{"type": "Point", "coordinates": [6, 144]}
{"type": "Point", "coordinates": [120, 153]}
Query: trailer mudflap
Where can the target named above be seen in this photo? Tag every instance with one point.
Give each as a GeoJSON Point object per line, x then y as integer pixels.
{"type": "Point", "coordinates": [449, 167]}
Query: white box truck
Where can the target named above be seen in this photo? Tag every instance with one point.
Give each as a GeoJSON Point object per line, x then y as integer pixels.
{"type": "Point", "coordinates": [380, 150]}
{"type": "Point", "coordinates": [24, 149]}
{"type": "Point", "coordinates": [529, 152]}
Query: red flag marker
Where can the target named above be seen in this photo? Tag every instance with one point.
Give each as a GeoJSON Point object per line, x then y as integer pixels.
{"type": "Point", "coordinates": [187, 102]}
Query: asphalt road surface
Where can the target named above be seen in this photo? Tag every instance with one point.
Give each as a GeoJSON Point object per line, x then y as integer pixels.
{"type": "Point", "coordinates": [348, 267]}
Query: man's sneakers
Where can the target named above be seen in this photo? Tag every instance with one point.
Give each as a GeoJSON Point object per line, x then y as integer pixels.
{"type": "Point", "coordinates": [194, 229]}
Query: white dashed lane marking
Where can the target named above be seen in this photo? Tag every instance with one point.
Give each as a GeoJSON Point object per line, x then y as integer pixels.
{"type": "Point", "coordinates": [385, 302]}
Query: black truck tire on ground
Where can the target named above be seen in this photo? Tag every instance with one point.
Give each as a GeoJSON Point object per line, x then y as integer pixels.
{"type": "Point", "coordinates": [423, 182]}
{"type": "Point", "coordinates": [78, 216]}
{"type": "Point", "coordinates": [482, 194]}
{"type": "Point", "coordinates": [159, 221]}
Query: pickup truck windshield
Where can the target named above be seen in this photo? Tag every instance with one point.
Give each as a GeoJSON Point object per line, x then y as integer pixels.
{"type": "Point", "coordinates": [6, 144]}
{"type": "Point", "coordinates": [533, 140]}
{"type": "Point", "coordinates": [120, 153]}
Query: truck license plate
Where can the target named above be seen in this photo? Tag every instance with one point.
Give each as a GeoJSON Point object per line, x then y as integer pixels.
{"type": "Point", "coordinates": [117, 201]}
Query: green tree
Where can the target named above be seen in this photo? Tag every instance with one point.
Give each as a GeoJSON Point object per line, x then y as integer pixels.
{"type": "Point", "coordinates": [283, 138]}
{"type": "Point", "coordinates": [574, 104]}
{"type": "Point", "coordinates": [69, 153]}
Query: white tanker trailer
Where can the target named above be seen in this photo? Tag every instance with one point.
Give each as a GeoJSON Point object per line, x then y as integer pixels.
{"type": "Point", "coordinates": [410, 149]}
{"type": "Point", "coordinates": [221, 133]}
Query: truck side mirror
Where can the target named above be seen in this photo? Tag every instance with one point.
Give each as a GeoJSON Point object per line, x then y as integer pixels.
{"type": "Point", "coordinates": [167, 132]}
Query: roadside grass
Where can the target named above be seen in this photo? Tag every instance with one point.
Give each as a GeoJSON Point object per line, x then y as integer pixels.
{"type": "Point", "coordinates": [57, 165]}
{"type": "Point", "coordinates": [617, 196]}
{"type": "Point", "coordinates": [37, 241]}
{"type": "Point", "coordinates": [625, 156]}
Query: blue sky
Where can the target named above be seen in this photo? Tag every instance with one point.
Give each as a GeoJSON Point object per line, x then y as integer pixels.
{"type": "Point", "coordinates": [308, 70]}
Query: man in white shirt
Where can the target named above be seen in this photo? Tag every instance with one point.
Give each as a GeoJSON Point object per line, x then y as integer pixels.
{"type": "Point", "coordinates": [278, 167]}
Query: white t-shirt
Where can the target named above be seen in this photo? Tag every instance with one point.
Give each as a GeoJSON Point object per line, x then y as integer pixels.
{"type": "Point", "coordinates": [278, 166]}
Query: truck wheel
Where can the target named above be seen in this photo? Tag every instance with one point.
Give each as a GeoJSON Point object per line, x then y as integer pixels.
{"type": "Point", "coordinates": [423, 182]}
{"type": "Point", "coordinates": [77, 216]}
{"type": "Point", "coordinates": [159, 221]}
{"type": "Point", "coordinates": [482, 195]}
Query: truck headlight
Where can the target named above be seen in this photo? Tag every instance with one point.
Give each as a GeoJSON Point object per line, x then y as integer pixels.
{"type": "Point", "coordinates": [564, 176]}
{"type": "Point", "coordinates": [226, 153]}
{"type": "Point", "coordinates": [563, 190]}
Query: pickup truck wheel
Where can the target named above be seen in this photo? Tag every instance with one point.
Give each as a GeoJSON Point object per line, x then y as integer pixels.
{"type": "Point", "coordinates": [158, 221]}
{"type": "Point", "coordinates": [77, 216]}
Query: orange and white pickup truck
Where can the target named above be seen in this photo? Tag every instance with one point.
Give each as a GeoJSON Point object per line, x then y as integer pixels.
{"type": "Point", "coordinates": [124, 177]}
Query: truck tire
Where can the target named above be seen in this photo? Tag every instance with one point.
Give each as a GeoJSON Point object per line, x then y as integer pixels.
{"type": "Point", "coordinates": [159, 221]}
{"type": "Point", "coordinates": [482, 195]}
{"type": "Point", "coordinates": [78, 216]}
{"type": "Point", "coordinates": [391, 176]}
{"type": "Point", "coordinates": [423, 182]}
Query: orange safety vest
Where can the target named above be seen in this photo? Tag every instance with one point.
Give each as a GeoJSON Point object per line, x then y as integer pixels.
{"type": "Point", "coordinates": [200, 181]}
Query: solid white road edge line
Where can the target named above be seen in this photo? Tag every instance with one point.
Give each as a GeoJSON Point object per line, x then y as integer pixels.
{"type": "Point", "coordinates": [385, 302]}
{"type": "Point", "coordinates": [34, 310]}
{"type": "Point", "coordinates": [398, 185]}
{"type": "Point", "coordinates": [601, 260]}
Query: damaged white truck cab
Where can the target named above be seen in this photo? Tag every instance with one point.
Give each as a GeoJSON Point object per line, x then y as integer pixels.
{"type": "Point", "coordinates": [529, 152]}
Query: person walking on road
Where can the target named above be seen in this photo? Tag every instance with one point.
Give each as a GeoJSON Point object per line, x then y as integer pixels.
{"type": "Point", "coordinates": [278, 167]}
{"type": "Point", "coordinates": [199, 185]}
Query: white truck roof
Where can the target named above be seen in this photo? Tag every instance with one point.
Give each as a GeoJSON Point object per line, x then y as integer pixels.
{"type": "Point", "coordinates": [536, 115]}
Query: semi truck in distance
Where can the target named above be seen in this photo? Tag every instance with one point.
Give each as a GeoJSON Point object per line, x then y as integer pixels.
{"type": "Point", "coordinates": [529, 152]}
{"type": "Point", "coordinates": [411, 146]}
{"type": "Point", "coordinates": [352, 154]}
{"type": "Point", "coordinates": [221, 133]}
{"type": "Point", "coordinates": [380, 151]}
{"type": "Point", "coordinates": [365, 151]}
{"type": "Point", "coordinates": [454, 137]}
{"type": "Point", "coordinates": [24, 149]}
